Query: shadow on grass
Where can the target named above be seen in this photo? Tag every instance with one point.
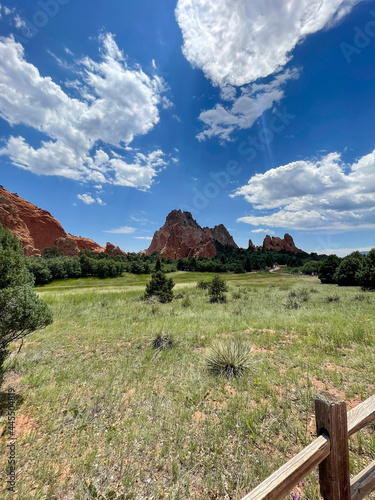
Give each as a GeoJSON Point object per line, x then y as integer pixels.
{"type": "Point", "coordinates": [4, 402]}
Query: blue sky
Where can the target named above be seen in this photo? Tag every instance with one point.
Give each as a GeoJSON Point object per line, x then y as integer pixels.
{"type": "Point", "coordinates": [259, 115]}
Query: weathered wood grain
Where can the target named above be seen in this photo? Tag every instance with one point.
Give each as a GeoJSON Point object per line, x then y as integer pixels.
{"type": "Point", "coordinates": [331, 417]}
{"type": "Point", "coordinates": [283, 480]}
{"type": "Point", "coordinates": [363, 483]}
{"type": "Point", "coordinates": [361, 415]}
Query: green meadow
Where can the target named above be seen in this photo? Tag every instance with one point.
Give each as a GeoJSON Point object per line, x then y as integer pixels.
{"type": "Point", "coordinates": [101, 414]}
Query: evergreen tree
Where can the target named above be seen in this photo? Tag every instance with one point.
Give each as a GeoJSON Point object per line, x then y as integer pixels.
{"type": "Point", "coordinates": [161, 287]}
{"type": "Point", "coordinates": [22, 312]}
{"type": "Point", "coordinates": [217, 289]}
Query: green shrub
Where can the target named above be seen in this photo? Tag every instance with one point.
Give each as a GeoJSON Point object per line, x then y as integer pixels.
{"type": "Point", "coordinates": [299, 294]}
{"type": "Point", "coordinates": [216, 289]}
{"type": "Point", "coordinates": [22, 312]}
{"type": "Point", "coordinates": [203, 285]}
{"type": "Point", "coordinates": [292, 303]}
{"type": "Point", "coordinates": [161, 287]}
{"type": "Point", "coordinates": [229, 359]}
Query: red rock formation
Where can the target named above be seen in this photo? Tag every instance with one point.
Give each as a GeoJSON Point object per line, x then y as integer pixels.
{"type": "Point", "coordinates": [68, 246]}
{"type": "Point", "coordinates": [276, 243]}
{"type": "Point", "coordinates": [251, 245]}
{"type": "Point", "coordinates": [112, 250]}
{"type": "Point", "coordinates": [87, 244]}
{"type": "Point", "coordinates": [181, 237]}
{"type": "Point", "coordinates": [37, 229]}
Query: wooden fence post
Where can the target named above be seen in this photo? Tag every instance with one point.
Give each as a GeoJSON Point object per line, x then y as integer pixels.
{"type": "Point", "coordinates": [331, 418]}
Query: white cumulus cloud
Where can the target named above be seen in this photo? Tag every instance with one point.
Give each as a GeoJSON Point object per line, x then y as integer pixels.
{"type": "Point", "coordinates": [235, 43]}
{"type": "Point", "coordinates": [323, 193]}
{"type": "Point", "coordinates": [115, 103]}
{"type": "Point", "coordinates": [89, 200]}
{"type": "Point", "coordinates": [222, 121]}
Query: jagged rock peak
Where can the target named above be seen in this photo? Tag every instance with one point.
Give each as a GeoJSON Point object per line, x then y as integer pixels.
{"type": "Point", "coordinates": [181, 236]}
{"type": "Point", "coordinates": [275, 243]}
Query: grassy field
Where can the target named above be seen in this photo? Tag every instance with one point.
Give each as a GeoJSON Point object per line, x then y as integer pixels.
{"type": "Point", "coordinates": [101, 414]}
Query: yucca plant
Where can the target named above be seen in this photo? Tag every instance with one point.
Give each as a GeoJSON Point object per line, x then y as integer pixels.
{"type": "Point", "coordinates": [230, 359]}
{"type": "Point", "coordinates": [163, 341]}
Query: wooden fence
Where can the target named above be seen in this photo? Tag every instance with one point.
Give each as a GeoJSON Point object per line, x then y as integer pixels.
{"type": "Point", "coordinates": [330, 451]}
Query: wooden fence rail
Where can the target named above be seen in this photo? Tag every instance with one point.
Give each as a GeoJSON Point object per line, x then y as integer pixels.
{"type": "Point", "coordinates": [330, 451]}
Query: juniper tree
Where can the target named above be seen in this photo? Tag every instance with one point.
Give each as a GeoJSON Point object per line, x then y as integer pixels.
{"type": "Point", "coordinates": [22, 312]}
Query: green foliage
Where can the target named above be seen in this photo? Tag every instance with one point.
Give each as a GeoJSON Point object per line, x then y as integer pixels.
{"type": "Point", "coordinates": [51, 253]}
{"type": "Point", "coordinates": [217, 288]}
{"type": "Point", "coordinates": [366, 273]}
{"type": "Point", "coordinates": [328, 268]}
{"type": "Point", "coordinates": [310, 267]}
{"type": "Point", "coordinates": [21, 310]}
{"type": "Point", "coordinates": [40, 270]}
{"type": "Point", "coordinates": [345, 274]}
{"type": "Point", "coordinates": [203, 285]}
{"type": "Point", "coordinates": [161, 287]}
{"type": "Point", "coordinates": [229, 359]}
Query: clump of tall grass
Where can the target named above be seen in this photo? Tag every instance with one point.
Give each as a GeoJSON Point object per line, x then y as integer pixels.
{"type": "Point", "coordinates": [292, 303]}
{"type": "Point", "coordinates": [163, 341]}
{"type": "Point", "coordinates": [300, 294]}
{"type": "Point", "coordinates": [229, 359]}
{"type": "Point", "coordinates": [333, 297]}
{"type": "Point", "coordinates": [296, 297]}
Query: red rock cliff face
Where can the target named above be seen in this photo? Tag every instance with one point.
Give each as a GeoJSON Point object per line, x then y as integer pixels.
{"type": "Point", "coordinates": [181, 237]}
{"type": "Point", "coordinates": [278, 244]}
{"type": "Point", "coordinates": [37, 229]}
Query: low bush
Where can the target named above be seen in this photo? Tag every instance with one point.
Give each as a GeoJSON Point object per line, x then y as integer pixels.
{"type": "Point", "coordinates": [216, 289]}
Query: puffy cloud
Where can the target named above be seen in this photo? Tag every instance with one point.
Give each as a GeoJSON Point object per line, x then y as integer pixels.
{"type": "Point", "coordinates": [318, 194]}
{"type": "Point", "coordinates": [235, 43]}
{"type": "Point", "coordinates": [121, 230]}
{"type": "Point", "coordinates": [222, 121]}
{"type": "Point", "coordinates": [115, 103]}
{"type": "Point", "coordinates": [86, 198]}
{"type": "Point", "coordinates": [89, 200]}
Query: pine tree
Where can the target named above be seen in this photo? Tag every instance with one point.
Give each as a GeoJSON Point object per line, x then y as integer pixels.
{"type": "Point", "coordinates": [216, 289]}
{"type": "Point", "coordinates": [161, 287]}
{"type": "Point", "coordinates": [22, 312]}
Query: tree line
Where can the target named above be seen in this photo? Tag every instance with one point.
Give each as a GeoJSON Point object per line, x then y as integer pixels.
{"type": "Point", "coordinates": [355, 269]}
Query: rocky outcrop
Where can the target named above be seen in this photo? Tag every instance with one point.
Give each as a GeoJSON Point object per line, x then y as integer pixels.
{"type": "Point", "coordinates": [113, 250]}
{"type": "Point", "coordinates": [37, 229]}
{"type": "Point", "coordinates": [221, 235]}
{"type": "Point", "coordinates": [277, 244]}
{"type": "Point", "coordinates": [68, 246]}
{"type": "Point", "coordinates": [181, 237]}
{"type": "Point", "coordinates": [251, 245]}
{"type": "Point", "coordinates": [87, 244]}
